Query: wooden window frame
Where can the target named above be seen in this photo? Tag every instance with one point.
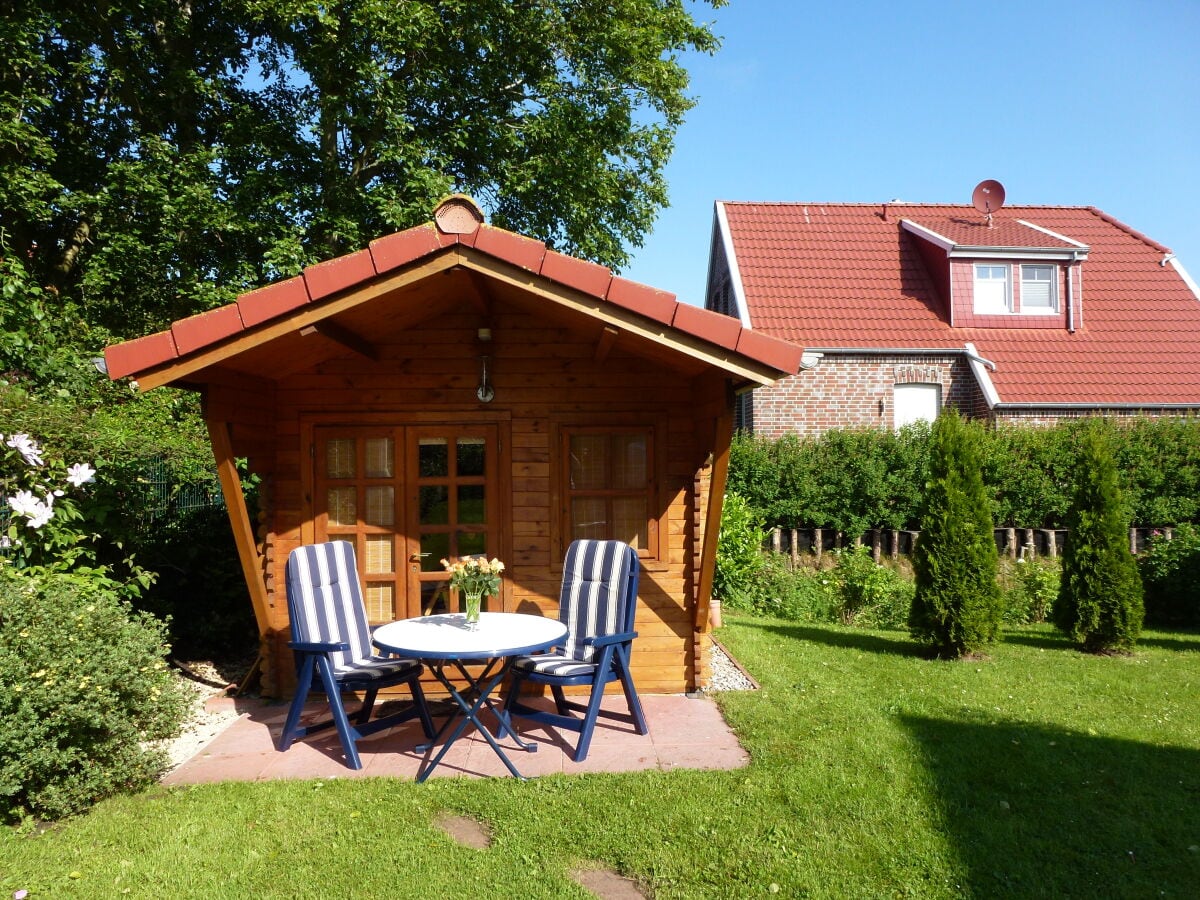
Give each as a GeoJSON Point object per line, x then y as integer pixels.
{"type": "Point", "coordinates": [655, 553]}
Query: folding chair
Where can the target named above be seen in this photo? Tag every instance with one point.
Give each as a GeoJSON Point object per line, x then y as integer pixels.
{"type": "Point", "coordinates": [330, 636]}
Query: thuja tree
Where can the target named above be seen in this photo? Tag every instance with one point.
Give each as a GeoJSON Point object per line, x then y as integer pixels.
{"type": "Point", "coordinates": [1100, 596]}
{"type": "Point", "coordinates": [957, 606]}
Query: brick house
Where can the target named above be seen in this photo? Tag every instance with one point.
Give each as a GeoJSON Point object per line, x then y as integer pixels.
{"type": "Point", "coordinates": [1033, 315]}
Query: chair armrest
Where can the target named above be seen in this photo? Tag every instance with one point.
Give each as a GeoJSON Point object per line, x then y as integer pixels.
{"type": "Point", "coordinates": [603, 640]}
{"type": "Point", "coordinates": [317, 646]}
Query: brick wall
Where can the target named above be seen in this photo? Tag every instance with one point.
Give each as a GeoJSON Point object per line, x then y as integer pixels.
{"type": "Point", "coordinates": [855, 391]}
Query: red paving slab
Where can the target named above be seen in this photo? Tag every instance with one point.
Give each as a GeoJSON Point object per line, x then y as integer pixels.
{"type": "Point", "coordinates": [685, 733]}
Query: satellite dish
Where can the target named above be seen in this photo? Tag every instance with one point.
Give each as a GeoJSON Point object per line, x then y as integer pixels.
{"type": "Point", "coordinates": [988, 197]}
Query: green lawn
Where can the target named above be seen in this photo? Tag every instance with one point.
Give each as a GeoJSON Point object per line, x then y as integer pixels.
{"type": "Point", "coordinates": [1039, 772]}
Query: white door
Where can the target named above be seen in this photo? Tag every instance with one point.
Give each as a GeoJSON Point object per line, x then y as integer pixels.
{"type": "Point", "coordinates": [916, 403]}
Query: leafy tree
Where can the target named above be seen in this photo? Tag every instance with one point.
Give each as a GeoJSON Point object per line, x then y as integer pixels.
{"type": "Point", "coordinates": [159, 156]}
{"type": "Point", "coordinates": [1099, 601]}
{"type": "Point", "coordinates": [957, 607]}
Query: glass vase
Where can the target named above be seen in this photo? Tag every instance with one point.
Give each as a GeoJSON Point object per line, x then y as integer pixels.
{"type": "Point", "coordinates": [473, 600]}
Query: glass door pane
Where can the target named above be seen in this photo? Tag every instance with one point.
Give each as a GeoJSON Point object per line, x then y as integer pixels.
{"type": "Point", "coordinates": [358, 490]}
{"type": "Point", "coordinates": [452, 474]}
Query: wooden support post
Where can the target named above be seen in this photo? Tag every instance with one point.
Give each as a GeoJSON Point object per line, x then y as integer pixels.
{"type": "Point", "coordinates": [818, 542]}
{"type": "Point", "coordinates": [239, 520]}
{"type": "Point", "coordinates": [795, 547]}
{"type": "Point", "coordinates": [777, 540]}
{"type": "Point", "coordinates": [876, 545]}
{"type": "Point", "coordinates": [1011, 537]}
{"type": "Point", "coordinates": [722, 438]}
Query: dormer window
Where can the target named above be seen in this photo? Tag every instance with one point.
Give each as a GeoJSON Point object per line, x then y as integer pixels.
{"type": "Point", "coordinates": [1039, 290]}
{"type": "Point", "coordinates": [992, 293]}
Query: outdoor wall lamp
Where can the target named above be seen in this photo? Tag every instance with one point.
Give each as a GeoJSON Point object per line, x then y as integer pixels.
{"type": "Point", "coordinates": [484, 392]}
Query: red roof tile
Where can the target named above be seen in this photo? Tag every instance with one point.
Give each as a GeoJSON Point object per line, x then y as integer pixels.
{"type": "Point", "coordinates": [139, 354]}
{"type": "Point", "coordinates": [849, 276]}
{"type": "Point", "coordinates": [273, 300]}
{"type": "Point", "coordinates": [400, 249]}
{"type": "Point", "coordinates": [206, 328]}
{"type": "Point", "coordinates": [588, 277]}
{"type": "Point", "coordinates": [650, 302]}
{"type": "Point", "coordinates": [337, 274]}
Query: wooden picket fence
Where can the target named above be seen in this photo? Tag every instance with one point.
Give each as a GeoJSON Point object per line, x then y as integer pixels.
{"type": "Point", "coordinates": [1018, 543]}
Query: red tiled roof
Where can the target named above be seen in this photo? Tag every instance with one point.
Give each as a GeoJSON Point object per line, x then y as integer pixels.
{"type": "Point", "coordinates": [973, 231]}
{"type": "Point", "coordinates": [850, 276]}
{"type": "Point", "coordinates": [205, 330]}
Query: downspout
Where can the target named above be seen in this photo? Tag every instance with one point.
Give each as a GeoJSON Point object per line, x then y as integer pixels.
{"type": "Point", "coordinates": [1071, 298]}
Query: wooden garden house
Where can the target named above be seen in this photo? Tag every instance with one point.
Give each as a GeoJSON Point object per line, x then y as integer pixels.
{"type": "Point", "coordinates": [456, 389]}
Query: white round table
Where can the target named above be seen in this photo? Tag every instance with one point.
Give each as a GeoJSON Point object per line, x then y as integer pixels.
{"type": "Point", "coordinates": [445, 640]}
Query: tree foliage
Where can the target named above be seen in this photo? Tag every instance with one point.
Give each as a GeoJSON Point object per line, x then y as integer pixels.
{"type": "Point", "coordinates": [957, 607]}
{"type": "Point", "coordinates": [159, 156]}
{"type": "Point", "coordinates": [1099, 601]}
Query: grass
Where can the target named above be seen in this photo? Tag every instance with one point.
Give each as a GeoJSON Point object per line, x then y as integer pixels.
{"type": "Point", "coordinates": [876, 773]}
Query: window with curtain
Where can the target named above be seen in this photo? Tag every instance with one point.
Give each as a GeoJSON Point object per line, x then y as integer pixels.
{"type": "Point", "coordinates": [608, 486]}
{"type": "Point", "coordinates": [1039, 289]}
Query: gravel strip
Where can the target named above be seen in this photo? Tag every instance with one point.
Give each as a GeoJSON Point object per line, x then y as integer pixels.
{"type": "Point", "coordinates": [726, 674]}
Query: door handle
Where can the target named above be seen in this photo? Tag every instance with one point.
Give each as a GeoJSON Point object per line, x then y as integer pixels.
{"type": "Point", "coordinates": [417, 557]}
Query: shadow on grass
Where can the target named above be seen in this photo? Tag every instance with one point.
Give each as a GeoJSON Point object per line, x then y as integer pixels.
{"type": "Point", "coordinates": [842, 637]}
{"type": "Point", "coordinates": [1165, 640]}
{"type": "Point", "coordinates": [1045, 640]}
{"type": "Point", "coordinates": [1053, 640]}
{"type": "Point", "coordinates": [1037, 811]}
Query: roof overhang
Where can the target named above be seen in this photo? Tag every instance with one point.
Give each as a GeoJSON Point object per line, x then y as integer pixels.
{"type": "Point", "coordinates": [396, 280]}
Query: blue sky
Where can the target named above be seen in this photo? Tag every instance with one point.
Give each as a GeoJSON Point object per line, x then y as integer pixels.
{"type": "Point", "coordinates": [1065, 103]}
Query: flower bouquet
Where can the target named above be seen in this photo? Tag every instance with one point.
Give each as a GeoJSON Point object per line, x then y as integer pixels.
{"type": "Point", "coordinates": [475, 577]}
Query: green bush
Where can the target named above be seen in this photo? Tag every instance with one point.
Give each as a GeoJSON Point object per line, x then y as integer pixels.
{"type": "Point", "coordinates": [739, 554]}
{"type": "Point", "coordinates": [1030, 587]}
{"type": "Point", "coordinates": [1170, 570]}
{"type": "Point", "coordinates": [856, 479]}
{"type": "Point", "coordinates": [802, 594]}
{"type": "Point", "coordinates": [869, 594]}
{"type": "Point", "coordinates": [957, 606]}
{"type": "Point", "coordinates": [85, 686]}
{"type": "Point", "coordinates": [1099, 603]}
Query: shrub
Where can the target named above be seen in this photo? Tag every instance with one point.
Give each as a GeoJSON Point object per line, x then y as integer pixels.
{"type": "Point", "coordinates": [869, 594]}
{"type": "Point", "coordinates": [1099, 603]}
{"type": "Point", "coordinates": [802, 595]}
{"type": "Point", "coordinates": [85, 686]}
{"type": "Point", "coordinates": [739, 554]}
{"type": "Point", "coordinates": [1031, 588]}
{"type": "Point", "coordinates": [957, 606]}
{"type": "Point", "coordinates": [1170, 570]}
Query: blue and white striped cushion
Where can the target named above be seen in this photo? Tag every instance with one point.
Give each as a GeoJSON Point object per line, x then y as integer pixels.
{"type": "Point", "coordinates": [325, 604]}
{"type": "Point", "coordinates": [554, 664]}
{"type": "Point", "coordinates": [593, 588]}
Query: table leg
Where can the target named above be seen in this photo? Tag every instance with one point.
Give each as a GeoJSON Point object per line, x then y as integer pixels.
{"type": "Point", "coordinates": [481, 687]}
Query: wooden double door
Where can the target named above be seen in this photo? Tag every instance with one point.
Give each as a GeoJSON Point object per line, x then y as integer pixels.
{"type": "Point", "coordinates": [407, 497]}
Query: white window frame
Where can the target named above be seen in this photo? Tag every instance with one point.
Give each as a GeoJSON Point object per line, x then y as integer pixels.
{"type": "Point", "coordinates": [989, 279]}
{"type": "Point", "coordinates": [1039, 310]}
